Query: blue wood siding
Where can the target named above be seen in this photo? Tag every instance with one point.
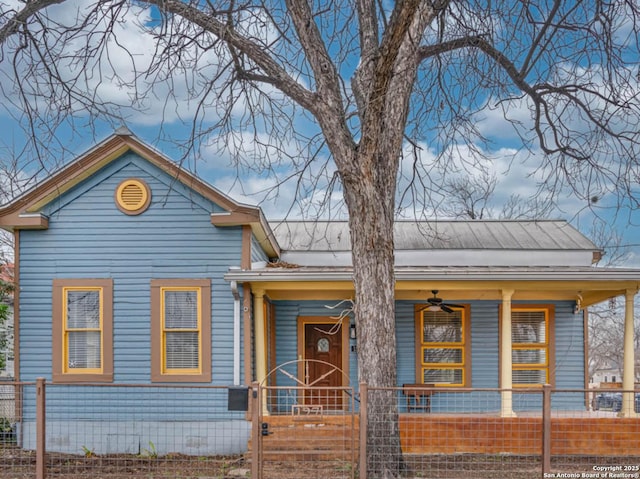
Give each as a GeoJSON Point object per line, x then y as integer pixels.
{"type": "Point", "coordinates": [257, 253]}
{"type": "Point", "coordinates": [88, 237]}
{"type": "Point", "coordinates": [569, 367]}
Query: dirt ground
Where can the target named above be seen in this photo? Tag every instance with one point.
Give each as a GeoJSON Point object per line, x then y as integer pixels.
{"type": "Point", "coordinates": [18, 464]}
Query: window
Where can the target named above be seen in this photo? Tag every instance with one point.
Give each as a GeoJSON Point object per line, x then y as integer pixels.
{"type": "Point", "coordinates": [82, 330]}
{"type": "Point", "coordinates": [442, 347]}
{"type": "Point", "coordinates": [181, 330]}
{"type": "Point", "coordinates": [530, 345]}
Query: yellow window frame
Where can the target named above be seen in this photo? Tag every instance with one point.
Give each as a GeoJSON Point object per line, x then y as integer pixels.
{"type": "Point", "coordinates": [66, 330]}
{"type": "Point", "coordinates": [462, 345]}
{"type": "Point", "coordinates": [535, 346]}
{"type": "Point", "coordinates": [164, 330]}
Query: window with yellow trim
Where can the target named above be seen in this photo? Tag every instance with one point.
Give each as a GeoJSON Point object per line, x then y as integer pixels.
{"type": "Point", "coordinates": [442, 343]}
{"type": "Point", "coordinates": [82, 330]}
{"type": "Point", "coordinates": [530, 346]}
{"type": "Point", "coordinates": [181, 330]}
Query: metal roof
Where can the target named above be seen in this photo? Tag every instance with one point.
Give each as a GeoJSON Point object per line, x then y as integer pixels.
{"type": "Point", "coordinates": [439, 235]}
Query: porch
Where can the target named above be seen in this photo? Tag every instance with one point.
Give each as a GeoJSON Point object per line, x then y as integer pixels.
{"type": "Point", "coordinates": [540, 438]}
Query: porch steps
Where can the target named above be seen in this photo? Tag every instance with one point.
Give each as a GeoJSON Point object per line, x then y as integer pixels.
{"type": "Point", "coordinates": [307, 438]}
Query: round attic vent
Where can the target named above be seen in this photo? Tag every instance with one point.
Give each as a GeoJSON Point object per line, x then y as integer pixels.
{"type": "Point", "coordinates": [133, 196]}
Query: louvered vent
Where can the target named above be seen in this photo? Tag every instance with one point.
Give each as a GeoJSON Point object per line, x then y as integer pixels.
{"type": "Point", "coordinates": [133, 196]}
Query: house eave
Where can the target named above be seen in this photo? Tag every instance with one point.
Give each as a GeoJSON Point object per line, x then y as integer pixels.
{"type": "Point", "coordinates": [254, 218]}
{"type": "Point", "coordinates": [453, 257]}
{"type": "Point", "coordinates": [588, 285]}
{"type": "Point", "coordinates": [443, 273]}
{"type": "Point", "coordinates": [24, 221]}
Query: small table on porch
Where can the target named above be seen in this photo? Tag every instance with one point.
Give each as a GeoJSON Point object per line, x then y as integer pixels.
{"type": "Point", "coordinates": [418, 397]}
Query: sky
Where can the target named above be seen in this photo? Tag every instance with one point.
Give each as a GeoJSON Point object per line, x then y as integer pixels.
{"type": "Point", "coordinates": [167, 112]}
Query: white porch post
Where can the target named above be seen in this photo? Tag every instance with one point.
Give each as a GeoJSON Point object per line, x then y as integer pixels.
{"type": "Point", "coordinates": [259, 331]}
{"type": "Point", "coordinates": [628, 368]}
{"type": "Point", "coordinates": [506, 378]}
{"type": "Point", "coordinates": [261, 343]}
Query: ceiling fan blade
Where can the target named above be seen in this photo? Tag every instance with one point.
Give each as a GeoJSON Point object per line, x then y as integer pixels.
{"type": "Point", "coordinates": [451, 305]}
{"type": "Point", "coordinates": [430, 307]}
{"type": "Point", "coordinates": [437, 304]}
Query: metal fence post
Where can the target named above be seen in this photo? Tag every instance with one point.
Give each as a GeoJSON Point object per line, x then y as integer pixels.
{"type": "Point", "coordinates": [546, 429]}
{"type": "Point", "coordinates": [40, 428]}
{"type": "Point", "coordinates": [363, 430]}
{"type": "Point", "coordinates": [256, 406]}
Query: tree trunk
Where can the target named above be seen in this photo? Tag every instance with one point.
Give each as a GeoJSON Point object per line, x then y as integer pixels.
{"type": "Point", "coordinates": [371, 221]}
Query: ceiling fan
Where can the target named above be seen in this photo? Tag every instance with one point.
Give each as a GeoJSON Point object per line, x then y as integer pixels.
{"type": "Point", "coordinates": [437, 304]}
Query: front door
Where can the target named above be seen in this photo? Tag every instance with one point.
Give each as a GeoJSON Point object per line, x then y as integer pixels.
{"type": "Point", "coordinates": [323, 342]}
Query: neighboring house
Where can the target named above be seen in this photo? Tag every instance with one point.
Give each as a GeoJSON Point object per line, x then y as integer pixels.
{"type": "Point", "coordinates": [606, 376]}
{"type": "Point", "coordinates": [6, 328]}
{"type": "Point", "coordinates": [132, 270]}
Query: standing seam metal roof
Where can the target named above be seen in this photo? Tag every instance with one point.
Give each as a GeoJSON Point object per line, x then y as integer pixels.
{"type": "Point", "coordinates": [439, 235]}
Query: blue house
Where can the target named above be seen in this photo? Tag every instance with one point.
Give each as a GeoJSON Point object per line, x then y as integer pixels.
{"type": "Point", "coordinates": [132, 270]}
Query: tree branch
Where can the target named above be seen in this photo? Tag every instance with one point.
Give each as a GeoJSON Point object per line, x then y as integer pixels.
{"type": "Point", "coordinates": [393, 40]}
{"type": "Point", "coordinates": [13, 25]}
{"type": "Point", "coordinates": [279, 76]}
{"type": "Point", "coordinates": [329, 110]}
{"type": "Point", "coordinates": [368, 31]}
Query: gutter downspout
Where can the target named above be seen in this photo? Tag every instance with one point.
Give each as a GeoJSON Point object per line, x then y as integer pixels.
{"type": "Point", "coordinates": [236, 333]}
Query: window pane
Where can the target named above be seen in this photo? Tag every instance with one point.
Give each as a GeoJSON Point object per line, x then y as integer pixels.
{"type": "Point", "coordinates": [181, 309]}
{"type": "Point", "coordinates": [83, 309]}
{"type": "Point", "coordinates": [529, 356]}
{"type": "Point", "coordinates": [529, 376]}
{"type": "Point", "coordinates": [182, 350]}
{"type": "Point", "coordinates": [84, 349]}
{"type": "Point", "coordinates": [441, 327]}
{"type": "Point", "coordinates": [528, 327]}
{"type": "Point", "coordinates": [442, 376]}
{"type": "Point", "coordinates": [442, 355]}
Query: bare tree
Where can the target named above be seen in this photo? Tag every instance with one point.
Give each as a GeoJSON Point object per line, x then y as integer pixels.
{"type": "Point", "coordinates": [335, 90]}
{"type": "Point", "coordinates": [606, 336]}
{"type": "Point", "coordinates": [519, 208]}
{"type": "Point", "coordinates": [469, 196]}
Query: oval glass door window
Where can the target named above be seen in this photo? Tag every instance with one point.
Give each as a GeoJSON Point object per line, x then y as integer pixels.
{"type": "Point", "coordinates": [323, 345]}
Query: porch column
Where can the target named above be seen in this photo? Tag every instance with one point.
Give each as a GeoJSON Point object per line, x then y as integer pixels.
{"type": "Point", "coordinates": [506, 378]}
{"type": "Point", "coordinates": [259, 329]}
{"type": "Point", "coordinates": [628, 368]}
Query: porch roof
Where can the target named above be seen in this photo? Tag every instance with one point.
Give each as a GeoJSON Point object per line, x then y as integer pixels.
{"type": "Point", "coordinates": [589, 285]}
